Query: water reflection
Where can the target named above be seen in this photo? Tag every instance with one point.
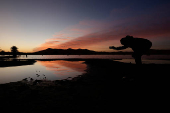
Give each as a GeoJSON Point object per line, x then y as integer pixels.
{"type": "Point", "coordinates": [50, 70]}
{"type": "Point", "coordinates": [152, 57]}
{"type": "Point", "coordinates": [145, 61]}
{"type": "Point", "coordinates": [63, 68]}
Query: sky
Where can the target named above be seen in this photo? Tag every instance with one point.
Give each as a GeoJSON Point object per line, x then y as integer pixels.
{"type": "Point", "coordinates": [34, 25]}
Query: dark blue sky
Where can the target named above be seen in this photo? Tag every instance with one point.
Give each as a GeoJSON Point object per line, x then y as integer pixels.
{"type": "Point", "coordinates": [41, 21]}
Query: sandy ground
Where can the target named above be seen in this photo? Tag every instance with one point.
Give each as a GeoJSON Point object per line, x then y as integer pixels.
{"type": "Point", "coordinates": [107, 86]}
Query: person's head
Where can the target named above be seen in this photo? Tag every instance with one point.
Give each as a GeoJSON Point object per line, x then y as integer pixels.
{"type": "Point", "coordinates": [126, 40]}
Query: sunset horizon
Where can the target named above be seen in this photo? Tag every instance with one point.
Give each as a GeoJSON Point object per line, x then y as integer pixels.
{"type": "Point", "coordinates": [34, 25]}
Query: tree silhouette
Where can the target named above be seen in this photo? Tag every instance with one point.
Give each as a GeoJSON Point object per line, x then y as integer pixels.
{"type": "Point", "coordinates": [14, 51]}
{"type": "Point", "coordinates": [2, 52]}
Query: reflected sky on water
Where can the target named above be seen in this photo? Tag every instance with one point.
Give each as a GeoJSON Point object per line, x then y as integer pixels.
{"type": "Point", "coordinates": [50, 70]}
{"type": "Point", "coordinates": [151, 57]}
{"type": "Point", "coordinates": [145, 61]}
{"type": "Point", "coordinates": [62, 69]}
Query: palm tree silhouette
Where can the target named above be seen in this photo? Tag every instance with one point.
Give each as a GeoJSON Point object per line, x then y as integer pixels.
{"type": "Point", "coordinates": [14, 51]}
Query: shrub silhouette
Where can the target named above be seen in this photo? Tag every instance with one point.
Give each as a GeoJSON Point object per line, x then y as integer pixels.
{"type": "Point", "coordinates": [14, 51]}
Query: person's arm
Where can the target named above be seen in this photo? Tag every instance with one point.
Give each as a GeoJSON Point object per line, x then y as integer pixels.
{"type": "Point", "coordinates": [118, 48]}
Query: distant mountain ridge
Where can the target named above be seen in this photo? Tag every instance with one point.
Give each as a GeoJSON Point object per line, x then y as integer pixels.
{"type": "Point", "coordinates": [70, 51]}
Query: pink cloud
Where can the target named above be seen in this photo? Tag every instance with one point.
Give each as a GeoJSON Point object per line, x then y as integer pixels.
{"type": "Point", "coordinates": [149, 31]}
{"type": "Point", "coordinates": [58, 39]}
{"type": "Point", "coordinates": [49, 44]}
{"type": "Point", "coordinates": [90, 33]}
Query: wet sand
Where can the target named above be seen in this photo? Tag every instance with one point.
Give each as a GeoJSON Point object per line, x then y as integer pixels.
{"type": "Point", "coordinates": [107, 86]}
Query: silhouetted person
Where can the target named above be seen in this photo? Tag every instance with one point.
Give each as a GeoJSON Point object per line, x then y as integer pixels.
{"type": "Point", "coordinates": [139, 45]}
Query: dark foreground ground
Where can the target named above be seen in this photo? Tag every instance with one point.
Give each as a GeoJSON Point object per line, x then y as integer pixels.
{"type": "Point", "coordinates": [108, 86]}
